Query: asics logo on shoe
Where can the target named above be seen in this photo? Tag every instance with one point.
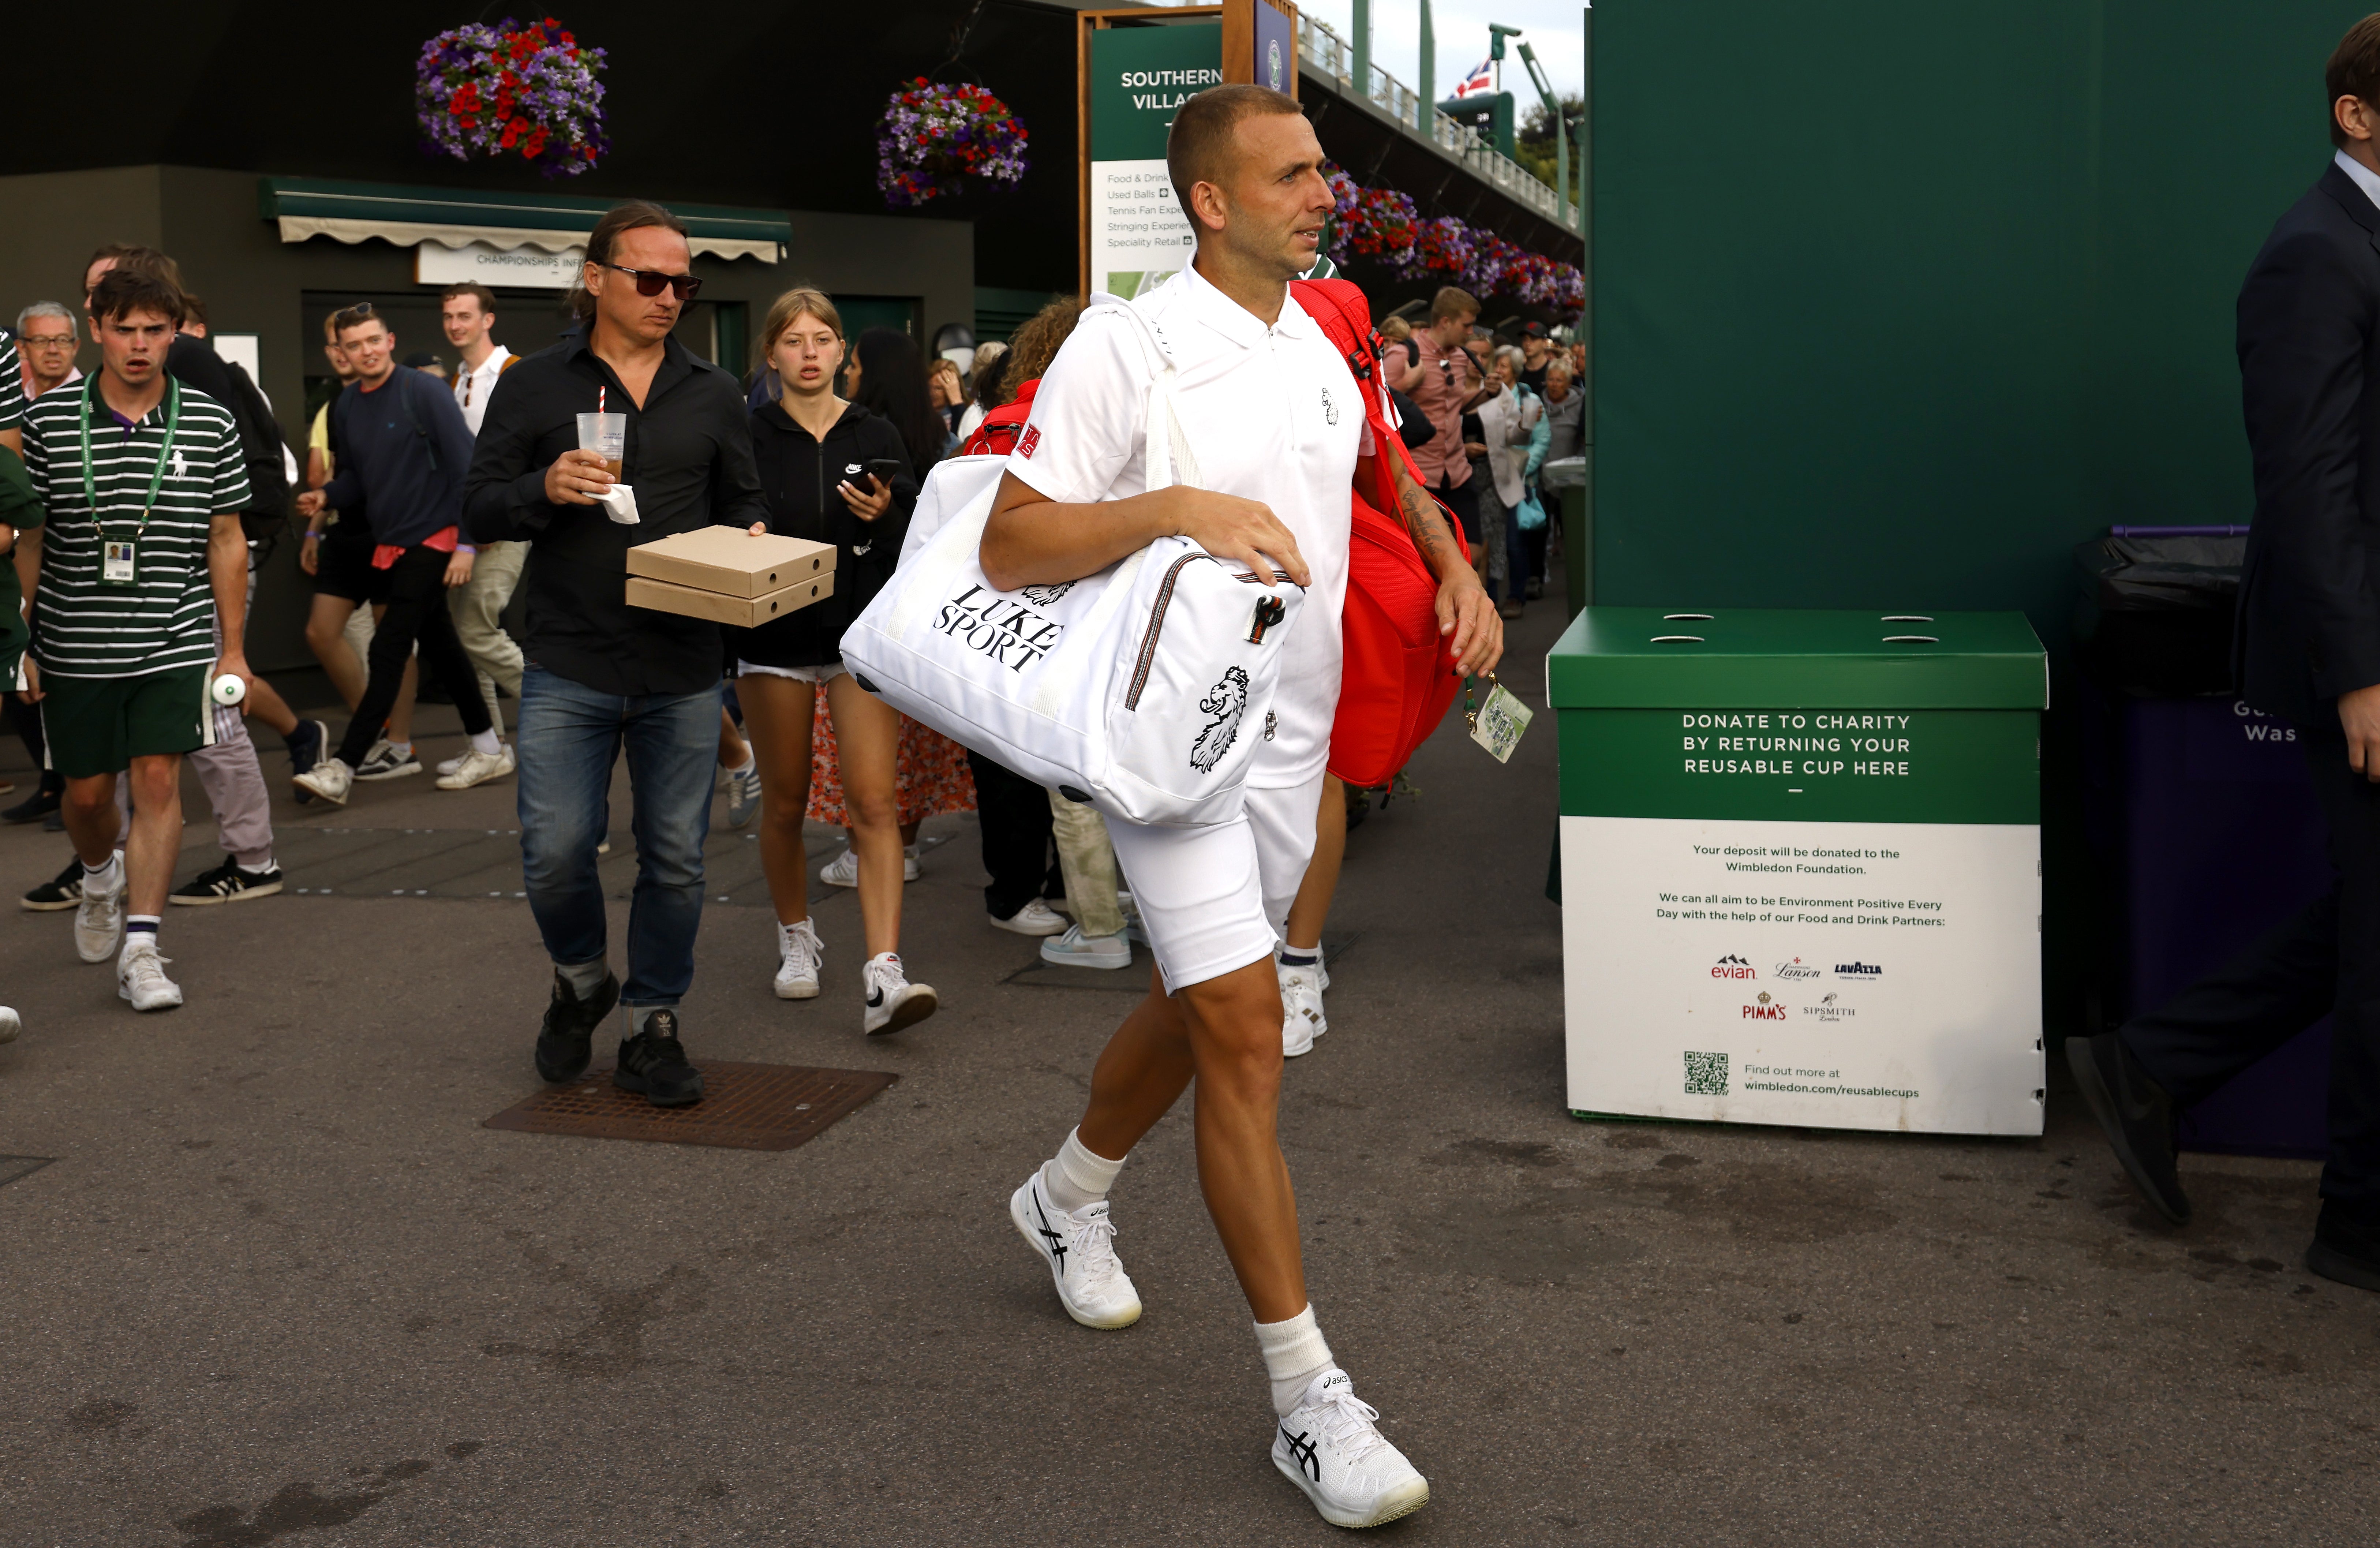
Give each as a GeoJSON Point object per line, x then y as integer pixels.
{"type": "Point", "coordinates": [1055, 1242]}
{"type": "Point", "coordinates": [1304, 1451]}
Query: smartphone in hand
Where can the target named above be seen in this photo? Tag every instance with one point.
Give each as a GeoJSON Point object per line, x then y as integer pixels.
{"type": "Point", "coordinates": [882, 469]}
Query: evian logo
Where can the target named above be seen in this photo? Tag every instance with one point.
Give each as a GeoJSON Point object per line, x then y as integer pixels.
{"type": "Point", "coordinates": [1857, 970]}
{"type": "Point", "coordinates": [1764, 1010]}
{"type": "Point", "coordinates": [1797, 969]}
{"type": "Point", "coordinates": [1732, 967]}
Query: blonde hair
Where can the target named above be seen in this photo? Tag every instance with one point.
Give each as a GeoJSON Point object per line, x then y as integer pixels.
{"type": "Point", "coordinates": [792, 304]}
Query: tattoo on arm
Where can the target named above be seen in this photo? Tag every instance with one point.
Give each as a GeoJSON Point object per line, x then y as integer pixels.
{"type": "Point", "coordinates": [1423, 520]}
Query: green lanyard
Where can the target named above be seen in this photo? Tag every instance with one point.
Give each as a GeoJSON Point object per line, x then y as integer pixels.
{"type": "Point", "coordinates": [165, 454]}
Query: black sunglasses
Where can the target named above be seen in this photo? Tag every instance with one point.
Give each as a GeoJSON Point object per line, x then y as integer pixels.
{"type": "Point", "coordinates": [649, 283]}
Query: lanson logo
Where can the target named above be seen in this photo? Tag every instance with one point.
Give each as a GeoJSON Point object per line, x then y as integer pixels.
{"type": "Point", "coordinates": [1797, 969]}
{"type": "Point", "coordinates": [1857, 970]}
{"type": "Point", "coordinates": [1764, 1010]}
{"type": "Point", "coordinates": [1733, 967]}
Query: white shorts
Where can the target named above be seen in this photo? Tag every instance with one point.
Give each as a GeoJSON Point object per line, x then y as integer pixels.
{"type": "Point", "coordinates": [818, 675]}
{"type": "Point", "coordinates": [1217, 898]}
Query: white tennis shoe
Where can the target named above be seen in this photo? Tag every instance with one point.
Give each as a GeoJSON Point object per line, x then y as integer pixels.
{"type": "Point", "coordinates": [1079, 1247]}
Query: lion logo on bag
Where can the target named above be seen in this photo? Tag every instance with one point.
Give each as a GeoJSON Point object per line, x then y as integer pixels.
{"type": "Point", "coordinates": [1045, 596]}
{"type": "Point", "coordinates": [1227, 702]}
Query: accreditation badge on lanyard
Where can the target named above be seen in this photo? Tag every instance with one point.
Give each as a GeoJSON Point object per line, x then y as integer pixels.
{"type": "Point", "coordinates": [119, 561]}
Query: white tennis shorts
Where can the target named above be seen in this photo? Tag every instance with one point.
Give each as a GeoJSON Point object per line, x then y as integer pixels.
{"type": "Point", "coordinates": [1217, 898]}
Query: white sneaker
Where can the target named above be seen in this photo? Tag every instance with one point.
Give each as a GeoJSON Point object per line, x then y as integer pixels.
{"type": "Point", "coordinates": [1074, 949]}
{"type": "Point", "coordinates": [385, 762]}
{"type": "Point", "coordinates": [893, 1002]}
{"type": "Point", "coordinates": [798, 950]}
{"type": "Point", "coordinates": [331, 779]}
{"type": "Point", "coordinates": [1301, 1008]}
{"type": "Point", "coordinates": [1036, 918]}
{"type": "Point", "coordinates": [478, 768]}
{"type": "Point", "coordinates": [1329, 1448]}
{"type": "Point", "coordinates": [10, 1024]}
{"type": "Point", "coordinates": [448, 765]}
{"type": "Point", "coordinates": [1080, 1249]}
{"type": "Point", "coordinates": [141, 976]}
{"type": "Point", "coordinates": [99, 921]}
{"type": "Point", "coordinates": [843, 870]}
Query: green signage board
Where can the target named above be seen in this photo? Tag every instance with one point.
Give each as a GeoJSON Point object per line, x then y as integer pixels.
{"type": "Point", "coordinates": [1139, 74]}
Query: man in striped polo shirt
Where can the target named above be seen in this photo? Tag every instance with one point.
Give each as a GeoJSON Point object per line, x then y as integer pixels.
{"type": "Point", "coordinates": [143, 481]}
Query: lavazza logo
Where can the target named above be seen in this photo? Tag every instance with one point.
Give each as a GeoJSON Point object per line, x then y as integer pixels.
{"type": "Point", "coordinates": [1001, 627]}
{"type": "Point", "coordinates": [1764, 1009]}
{"type": "Point", "coordinates": [1858, 972]}
{"type": "Point", "coordinates": [1732, 967]}
{"type": "Point", "coordinates": [1797, 969]}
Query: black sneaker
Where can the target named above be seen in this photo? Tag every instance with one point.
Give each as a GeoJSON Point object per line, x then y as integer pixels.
{"type": "Point", "coordinates": [2344, 1250]}
{"type": "Point", "coordinates": [653, 1062]}
{"type": "Point", "coordinates": [64, 893]}
{"type": "Point", "coordinates": [227, 883]}
{"type": "Point", "coordinates": [34, 807]}
{"type": "Point", "coordinates": [2137, 1116]}
{"type": "Point", "coordinates": [564, 1039]}
{"type": "Point", "coordinates": [306, 744]}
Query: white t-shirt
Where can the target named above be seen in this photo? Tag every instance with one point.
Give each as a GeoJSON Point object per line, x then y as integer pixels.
{"type": "Point", "coordinates": [1269, 413]}
{"type": "Point", "coordinates": [472, 387]}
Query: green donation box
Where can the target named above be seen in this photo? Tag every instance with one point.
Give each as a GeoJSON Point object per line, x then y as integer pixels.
{"type": "Point", "coordinates": [1801, 867]}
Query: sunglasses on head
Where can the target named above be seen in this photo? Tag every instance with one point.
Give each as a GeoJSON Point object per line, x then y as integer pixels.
{"type": "Point", "coordinates": [649, 283]}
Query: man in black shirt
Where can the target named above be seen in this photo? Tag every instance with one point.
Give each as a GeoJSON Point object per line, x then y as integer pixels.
{"type": "Point", "coordinates": [601, 675]}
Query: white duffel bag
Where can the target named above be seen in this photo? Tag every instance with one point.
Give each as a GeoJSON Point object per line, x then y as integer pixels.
{"type": "Point", "coordinates": [1145, 689]}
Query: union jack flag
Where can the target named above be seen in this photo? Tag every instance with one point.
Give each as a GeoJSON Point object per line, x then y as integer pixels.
{"type": "Point", "coordinates": [1481, 82]}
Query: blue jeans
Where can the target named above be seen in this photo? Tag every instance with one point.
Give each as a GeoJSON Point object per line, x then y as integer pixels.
{"type": "Point", "coordinates": [569, 736]}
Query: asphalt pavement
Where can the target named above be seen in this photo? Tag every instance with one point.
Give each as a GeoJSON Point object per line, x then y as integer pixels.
{"type": "Point", "coordinates": [277, 1282]}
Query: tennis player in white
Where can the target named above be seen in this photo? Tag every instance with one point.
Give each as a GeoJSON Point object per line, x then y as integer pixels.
{"type": "Point", "coordinates": [1273, 416]}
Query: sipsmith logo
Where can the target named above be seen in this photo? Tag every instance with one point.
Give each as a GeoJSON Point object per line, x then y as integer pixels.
{"type": "Point", "coordinates": [1009, 633]}
{"type": "Point", "coordinates": [1732, 967]}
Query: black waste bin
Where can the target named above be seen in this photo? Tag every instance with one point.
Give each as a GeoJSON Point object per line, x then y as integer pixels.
{"type": "Point", "coordinates": [2203, 813]}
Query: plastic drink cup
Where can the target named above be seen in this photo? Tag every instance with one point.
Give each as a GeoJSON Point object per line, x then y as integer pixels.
{"type": "Point", "coordinates": [607, 436]}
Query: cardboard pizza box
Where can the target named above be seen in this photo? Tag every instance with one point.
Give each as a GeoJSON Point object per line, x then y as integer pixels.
{"type": "Point", "coordinates": [721, 608]}
{"type": "Point", "coordinates": [729, 561]}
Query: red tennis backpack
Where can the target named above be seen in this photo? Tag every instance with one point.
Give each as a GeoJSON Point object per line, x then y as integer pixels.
{"type": "Point", "coordinates": [1399, 678]}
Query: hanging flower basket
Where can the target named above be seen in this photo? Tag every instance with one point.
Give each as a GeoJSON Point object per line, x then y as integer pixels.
{"type": "Point", "coordinates": [932, 136]}
{"type": "Point", "coordinates": [511, 90]}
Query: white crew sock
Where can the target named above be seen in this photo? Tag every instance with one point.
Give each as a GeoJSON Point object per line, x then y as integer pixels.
{"type": "Point", "coordinates": [106, 878]}
{"type": "Point", "coordinates": [485, 741]}
{"type": "Point", "coordinates": [744, 767]}
{"type": "Point", "coordinates": [584, 978]}
{"type": "Point", "coordinates": [403, 749]}
{"type": "Point", "coordinates": [1076, 1177]}
{"type": "Point", "coordinates": [260, 868]}
{"type": "Point", "coordinates": [1293, 1355]}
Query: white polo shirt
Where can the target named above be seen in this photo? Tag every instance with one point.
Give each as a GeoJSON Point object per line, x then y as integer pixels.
{"type": "Point", "coordinates": [472, 387]}
{"type": "Point", "coordinates": [1269, 413]}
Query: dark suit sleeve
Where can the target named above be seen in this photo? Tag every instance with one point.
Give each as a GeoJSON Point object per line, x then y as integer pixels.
{"type": "Point", "coordinates": [2306, 316]}
{"type": "Point", "coordinates": [503, 495]}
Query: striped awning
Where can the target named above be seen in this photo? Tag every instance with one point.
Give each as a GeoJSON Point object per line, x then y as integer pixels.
{"type": "Point", "coordinates": [345, 212]}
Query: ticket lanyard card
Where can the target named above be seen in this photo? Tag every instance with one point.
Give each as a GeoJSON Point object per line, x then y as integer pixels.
{"type": "Point", "coordinates": [1499, 723]}
{"type": "Point", "coordinates": [116, 561]}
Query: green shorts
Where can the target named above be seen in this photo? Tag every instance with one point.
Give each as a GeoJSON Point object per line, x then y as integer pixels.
{"type": "Point", "coordinates": [97, 726]}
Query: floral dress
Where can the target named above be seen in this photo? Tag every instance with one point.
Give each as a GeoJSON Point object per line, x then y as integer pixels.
{"type": "Point", "coordinates": [929, 773]}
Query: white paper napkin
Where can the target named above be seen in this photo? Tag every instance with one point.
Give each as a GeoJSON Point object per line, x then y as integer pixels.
{"type": "Point", "coordinates": [619, 503]}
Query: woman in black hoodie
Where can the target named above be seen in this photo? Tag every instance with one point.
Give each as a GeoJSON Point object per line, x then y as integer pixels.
{"type": "Point", "coordinates": [814, 452]}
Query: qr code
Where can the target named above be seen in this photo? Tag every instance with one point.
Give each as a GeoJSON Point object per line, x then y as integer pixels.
{"type": "Point", "coordinates": [1706, 1075]}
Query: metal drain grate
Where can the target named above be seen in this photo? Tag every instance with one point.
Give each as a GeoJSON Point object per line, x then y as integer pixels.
{"type": "Point", "coordinates": [747, 1107]}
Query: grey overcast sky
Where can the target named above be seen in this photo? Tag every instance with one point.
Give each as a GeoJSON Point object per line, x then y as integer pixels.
{"type": "Point", "coordinates": [1554, 29]}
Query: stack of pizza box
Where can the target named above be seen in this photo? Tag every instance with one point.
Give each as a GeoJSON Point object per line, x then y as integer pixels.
{"type": "Point", "coordinates": [730, 576]}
